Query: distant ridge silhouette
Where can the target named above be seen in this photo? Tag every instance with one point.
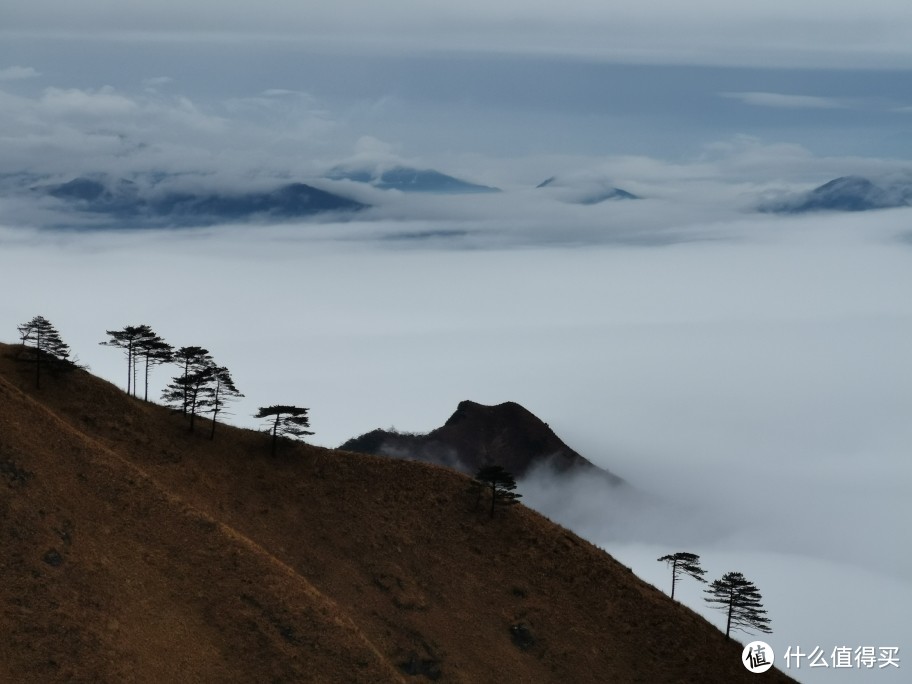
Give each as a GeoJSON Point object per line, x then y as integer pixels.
{"type": "Point", "coordinates": [475, 435]}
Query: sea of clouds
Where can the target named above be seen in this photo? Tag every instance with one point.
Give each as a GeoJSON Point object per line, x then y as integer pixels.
{"type": "Point", "coordinates": [747, 374]}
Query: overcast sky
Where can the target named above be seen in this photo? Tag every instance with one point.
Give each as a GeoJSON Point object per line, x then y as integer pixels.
{"type": "Point", "coordinates": [461, 84]}
{"type": "Point", "coordinates": [778, 32]}
{"type": "Point", "coordinates": [751, 371]}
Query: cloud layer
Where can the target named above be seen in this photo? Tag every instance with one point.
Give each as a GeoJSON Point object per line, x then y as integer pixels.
{"type": "Point", "coordinates": [748, 373]}
{"type": "Point", "coordinates": [17, 73]}
{"type": "Point", "coordinates": [660, 31]}
{"type": "Point", "coordinates": [754, 385]}
{"type": "Point", "coordinates": [786, 101]}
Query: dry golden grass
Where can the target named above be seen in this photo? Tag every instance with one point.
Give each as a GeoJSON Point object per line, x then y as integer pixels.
{"type": "Point", "coordinates": [134, 551]}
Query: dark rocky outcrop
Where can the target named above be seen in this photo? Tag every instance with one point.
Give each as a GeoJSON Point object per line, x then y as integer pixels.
{"type": "Point", "coordinates": [475, 435]}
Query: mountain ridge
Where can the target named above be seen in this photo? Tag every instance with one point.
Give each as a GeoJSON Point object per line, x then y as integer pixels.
{"type": "Point", "coordinates": [476, 435]}
{"type": "Point", "coordinates": [409, 179]}
{"type": "Point", "coordinates": [845, 193]}
{"type": "Point", "coordinates": [101, 566]}
{"type": "Point", "coordinates": [124, 560]}
{"type": "Point", "coordinates": [585, 190]}
{"type": "Point", "coordinates": [124, 199]}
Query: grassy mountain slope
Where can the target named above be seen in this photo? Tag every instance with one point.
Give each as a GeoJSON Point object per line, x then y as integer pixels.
{"type": "Point", "coordinates": [134, 551]}
{"type": "Point", "coordinates": [106, 575]}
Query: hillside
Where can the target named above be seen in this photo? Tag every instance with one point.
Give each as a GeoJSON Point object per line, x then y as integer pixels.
{"type": "Point", "coordinates": [144, 205]}
{"type": "Point", "coordinates": [477, 435]}
{"type": "Point", "coordinates": [134, 551]}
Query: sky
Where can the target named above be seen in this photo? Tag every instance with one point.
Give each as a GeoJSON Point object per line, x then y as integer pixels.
{"type": "Point", "coordinates": [746, 372]}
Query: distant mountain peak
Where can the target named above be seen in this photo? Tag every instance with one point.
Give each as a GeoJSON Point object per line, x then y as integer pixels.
{"type": "Point", "coordinates": [80, 188]}
{"type": "Point", "coordinates": [409, 179]}
{"type": "Point", "coordinates": [585, 190]}
{"type": "Point", "coordinates": [124, 200]}
{"type": "Point", "coordinates": [475, 435]}
{"type": "Point", "coordinates": [846, 193]}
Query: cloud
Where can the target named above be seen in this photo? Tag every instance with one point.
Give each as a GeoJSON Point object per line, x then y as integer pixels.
{"type": "Point", "coordinates": [17, 73]}
{"type": "Point", "coordinates": [155, 82]}
{"type": "Point", "coordinates": [282, 134]}
{"type": "Point", "coordinates": [374, 154]}
{"type": "Point", "coordinates": [662, 31]}
{"type": "Point", "coordinates": [783, 101]}
{"type": "Point", "coordinates": [709, 355]}
{"type": "Point", "coordinates": [101, 104]}
{"type": "Point", "coordinates": [72, 131]}
{"type": "Point", "coordinates": [753, 385]}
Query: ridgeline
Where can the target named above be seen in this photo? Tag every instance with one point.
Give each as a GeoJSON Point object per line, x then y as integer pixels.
{"type": "Point", "coordinates": [136, 551]}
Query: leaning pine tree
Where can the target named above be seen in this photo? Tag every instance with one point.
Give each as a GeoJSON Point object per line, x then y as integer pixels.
{"type": "Point", "coordinates": [154, 351]}
{"type": "Point", "coordinates": [217, 392]}
{"type": "Point", "coordinates": [683, 563]}
{"type": "Point", "coordinates": [40, 334]}
{"type": "Point", "coordinates": [284, 421]}
{"type": "Point", "coordinates": [741, 600]}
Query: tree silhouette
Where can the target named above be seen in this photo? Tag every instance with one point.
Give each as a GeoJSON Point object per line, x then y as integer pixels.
{"type": "Point", "coordinates": [187, 392]}
{"type": "Point", "coordinates": [737, 596]}
{"type": "Point", "coordinates": [44, 337]}
{"type": "Point", "coordinates": [194, 361]}
{"type": "Point", "coordinates": [218, 390]}
{"type": "Point", "coordinates": [154, 351]}
{"type": "Point", "coordinates": [683, 563]}
{"type": "Point", "coordinates": [285, 421]}
{"type": "Point", "coordinates": [131, 339]}
{"type": "Point", "coordinates": [501, 484]}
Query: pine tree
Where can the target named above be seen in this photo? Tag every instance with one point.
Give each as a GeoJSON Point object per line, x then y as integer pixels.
{"type": "Point", "coordinates": [741, 600]}
{"type": "Point", "coordinates": [130, 339]}
{"type": "Point", "coordinates": [285, 421]}
{"type": "Point", "coordinates": [154, 351]}
{"type": "Point", "coordinates": [683, 563]}
{"type": "Point", "coordinates": [219, 390]}
{"type": "Point", "coordinates": [44, 337]}
{"type": "Point", "coordinates": [501, 484]}
{"type": "Point", "coordinates": [193, 360]}
{"type": "Point", "coordinates": [187, 392]}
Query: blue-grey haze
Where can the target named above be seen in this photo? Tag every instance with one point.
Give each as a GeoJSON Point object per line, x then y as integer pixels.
{"type": "Point", "coordinates": [708, 353]}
